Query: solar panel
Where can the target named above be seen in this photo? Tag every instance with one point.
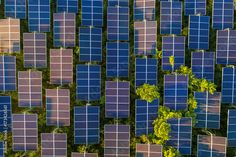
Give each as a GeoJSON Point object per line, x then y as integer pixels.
{"type": "Point", "coordinates": [88, 82]}
{"type": "Point", "coordinates": [208, 110]}
{"type": "Point", "coordinates": [117, 59]}
{"type": "Point", "coordinates": [209, 146]}
{"type": "Point", "coordinates": [61, 66]}
{"type": "Point", "coordinates": [15, 9]}
{"type": "Point", "coordinates": [148, 150]}
{"type": "Point", "coordinates": [86, 125]}
{"type": "Point", "coordinates": [173, 46]}
{"type": "Point", "coordinates": [2, 148]}
{"type": "Point", "coordinates": [231, 131]}
{"type": "Point", "coordinates": [25, 132]}
{"type": "Point", "coordinates": [90, 44]}
{"type": "Point", "coordinates": [228, 87]}
{"type": "Point", "coordinates": [146, 113]}
{"type": "Point", "coordinates": [84, 154]}
{"type": "Point", "coordinates": [193, 7]}
{"type": "Point", "coordinates": [39, 15]}
{"type": "Point", "coordinates": [7, 73]}
{"type": "Point", "coordinates": [181, 135]}
{"type": "Point", "coordinates": [226, 47]}
{"type": "Point", "coordinates": [176, 91]}
{"type": "Point", "coordinates": [68, 6]}
{"type": "Point", "coordinates": [223, 14]}
{"type": "Point", "coordinates": [121, 3]}
{"type": "Point", "coordinates": [198, 36]}
{"type": "Point", "coordinates": [30, 88]}
{"type": "Point", "coordinates": [35, 50]}
{"type": "Point", "coordinates": [117, 99]}
{"type": "Point", "coordinates": [171, 17]}
{"type": "Point", "coordinates": [5, 114]}
{"type": "Point", "coordinates": [64, 29]}
{"type": "Point", "coordinates": [9, 35]}
{"type": "Point", "coordinates": [144, 10]}
{"type": "Point", "coordinates": [116, 140]}
{"type": "Point", "coordinates": [58, 107]}
{"type": "Point", "coordinates": [203, 65]}
{"type": "Point", "coordinates": [92, 13]}
{"type": "Point", "coordinates": [53, 145]}
{"type": "Point", "coordinates": [145, 37]}
{"type": "Point", "coordinates": [117, 23]}
{"type": "Point", "coordinates": [146, 71]}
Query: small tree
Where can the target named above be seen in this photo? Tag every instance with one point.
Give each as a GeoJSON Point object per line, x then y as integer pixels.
{"type": "Point", "coordinates": [171, 152]}
{"type": "Point", "coordinates": [172, 61]}
{"type": "Point", "coordinates": [148, 92]}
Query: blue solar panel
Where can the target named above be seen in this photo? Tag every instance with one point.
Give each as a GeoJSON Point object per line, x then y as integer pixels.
{"type": "Point", "coordinates": [146, 71]}
{"type": "Point", "coordinates": [144, 10]}
{"type": "Point", "coordinates": [171, 17]}
{"type": "Point", "coordinates": [176, 91]}
{"type": "Point", "coordinates": [117, 23]}
{"type": "Point", "coordinates": [181, 135]}
{"type": "Point", "coordinates": [198, 37]}
{"type": "Point", "coordinates": [68, 6]}
{"type": "Point", "coordinates": [146, 113]}
{"type": "Point", "coordinates": [173, 46]}
{"type": "Point", "coordinates": [15, 9]}
{"type": "Point", "coordinates": [39, 15]}
{"type": "Point", "coordinates": [90, 44]}
{"type": "Point", "coordinates": [5, 113]}
{"type": "Point", "coordinates": [228, 87]}
{"type": "Point", "coordinates": [92, 13]}
{"type": "Point", "coordinates": [117, 62]}
{"type": "Point", "coordinates": [203, 65]}
{"type": "Point", "coordinates": [88, 82]}
{"type": "Point", "coordinates": [2, 148]}
{"type": "Point", "coordinates": [121, 3]}
{"type": "Point", "coordinates": [231, 131]}
{"type": "Point", "coordinates": [193, 7]}
{"type": "Point", "coordinates": [223, 14]}
{"type": "Point", "coordinates": [86, 125]}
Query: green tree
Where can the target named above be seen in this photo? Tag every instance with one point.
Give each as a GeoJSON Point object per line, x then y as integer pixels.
{"type": "Point", "coordinates": [171, 152]}
{"type": "Point", "coordinates": [148, 92]}
{"type": "Point", "coordinates": [172, 61]}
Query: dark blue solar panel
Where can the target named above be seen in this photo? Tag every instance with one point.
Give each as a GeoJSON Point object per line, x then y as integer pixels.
{"type": "Point", "coordinates": [92, 13]}
{"type": "Point", "coordinates": [203, 65]}
{"type": "Point", "coordinates": [90, 44]}
{"type": "Point", "coordinates": [68, 6]}
{"type": "Point", "coordinates": [15, 9]}
{"type": "Point", "coordinates": [117, 62]}
{"type": "Point", "coordinates": [181, 135]}
{"type": "Point", "coordinates": [223, 14]}
{"type": "Point", "coordinates": [121, 3]}
{"type": "Point", "coordinates": [146, 113]}
{"type": "Point", "coordinates": [171, 17]}
{"type": "Point", "coordinates": [193, 7]}
{"type": "Point", "coordinates": [231, 132]}
{"type": "Point", "coordinates": [198, 32]}
{"type": "Point", "coordinates": [173, 46]}
{"type": "Point", "coordinates": [88, 82]}
{"type": "Point", "coordinates": [39, 15]}
{"type": "Point", "coordinates": [226, 47]}
{"type": "Point", "coordinates": [176, 91]}
{"type": "Point", "coordinates": [86, 125]}
{"type": "Point", "coordinates": [144, 10]}
{"type": "Point", "coordinates": [1, 146]}
{"type": "Point", "coordinates": [5, 113]}
{"type": "Point", "coordinates": [228, 85]}
{"type": "Point", "coordinates": [146, 71]}
{"type": "Point", "coordinates": [117, 23]}
{"type": "Point", "coordinates": [7, 73]}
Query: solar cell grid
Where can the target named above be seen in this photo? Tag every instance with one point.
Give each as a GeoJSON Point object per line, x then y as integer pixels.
{"type": "Point", "coordinates": [121, 3]}
{"type": "Point", "coordinates": [2, 148]}
{"type": "Point", "coordinates": [84, 155]}
{"type": "Point", "coordinates": [5, 114]}
{"type": "Point", "coordinates": [231, 131]}
{"type": "Point", "coordinates": [193, 7]}
{"type": "Point", "coordinates": [148, 150]}
{"type": "Point", "coordinates": [68, 6]}
{"type": "Point", "coordinates": [15, 9]}
{"type": "Point", "coordinates": [144, 10]}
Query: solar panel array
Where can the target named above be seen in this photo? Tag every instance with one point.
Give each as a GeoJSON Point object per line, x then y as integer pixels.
{"type": "Point", "coordinates": [25, 132]}
{"type": "Point", "coordinates": [148, 150]}
{"type": "Point", "coordinates": [231, 131]}
{"type": "Point", "coordinates": [35, 50]}
{"type": "Point", "coordinates": [176, 91]}
{"type": "Point", "coordinates": [117, 99]}
{"type": "Point", "coordinates": [30, 88]}
{"type": "Point", "coordinates": [144, 10]}
{"type": "Point", "coordinates": [61, 66]}
{"type": "Point", "coordinates": [116, 140]}
{"type": "Point", "coordinates": [145, 37]}
{"type": "Point", "coordinates": [121, 3]}
{"type": "Point", "coordinates": [203, 65]}
{"type": "Point", "coordinates": [209, 146]}
{"type": "Point", "coordinates": [193, 7]}
{"type": "Point", "coordinates": [5, 113]}
{"type": "Point", "coordinates": [84, 154]}
{"type": "Point", "coordinates": [117, 59]}
{"type": "Point", "coordinates": [181, 135]}
{"type": "Point", "coordinates": [173, 46]}
{"type": "Point", "coordinates": [58, 107]}
{"type": "Point", "coordinates": [86, 125]}
{"type": "Point", "coordinates": [2, 148]}
{"type": "Point", "coordinates": [7, 73]}
{"type": "Point", "coordinates": [68, 6]}
{"type": "Point", "coordinates": [146, 113]}
{"type": "Point", "coordinates": [15, 9]}
{"type": "Point", "coordinates": [171, 17]}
